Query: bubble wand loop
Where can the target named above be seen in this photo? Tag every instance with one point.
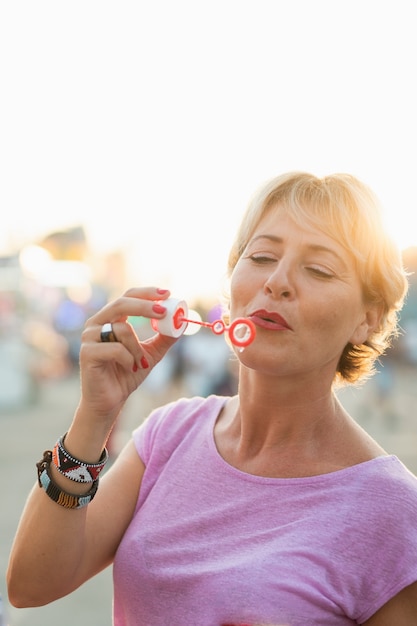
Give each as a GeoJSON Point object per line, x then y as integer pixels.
{"type": "Point", "coordinates": [240, 325]}
{"type": "Point", "coordinates": [241, 331]}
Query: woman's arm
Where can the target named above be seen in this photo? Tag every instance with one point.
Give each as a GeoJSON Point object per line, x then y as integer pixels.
{"type": "Point", "coordinates": [401, 610]}
{"type": "Point", "coordinates": [56, 549]}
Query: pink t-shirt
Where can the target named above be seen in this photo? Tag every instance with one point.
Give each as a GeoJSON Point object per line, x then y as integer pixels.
{"type": "Point", "coordinates": [211, 545]}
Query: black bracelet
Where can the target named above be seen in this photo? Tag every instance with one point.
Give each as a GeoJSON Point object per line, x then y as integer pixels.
{"type": "Point", "coordinates": [58, 495]}
{"type": "Point", "coordinates": [74, 469]}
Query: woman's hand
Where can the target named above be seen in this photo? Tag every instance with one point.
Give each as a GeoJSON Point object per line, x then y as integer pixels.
{"type": "Point", "coordinates": [111, 371]}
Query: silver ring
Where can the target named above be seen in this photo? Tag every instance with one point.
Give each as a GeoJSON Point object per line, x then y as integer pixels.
{"type": "Point", "coordinates": [107, 333]}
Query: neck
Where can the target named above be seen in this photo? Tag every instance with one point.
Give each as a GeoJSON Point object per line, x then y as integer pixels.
{"type": "Point", "coordinates": [271, 422]}
{"type": "Point", "coordinates": [269, 429]}
{"type": "Point", "coordinates": [285, 442]}
{"type": "Point", "coordinates": [285, 406]}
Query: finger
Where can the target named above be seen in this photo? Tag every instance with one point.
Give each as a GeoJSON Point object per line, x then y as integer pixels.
{"type": "Point", "coordinates": [134, 302]}
{"type": "Point", "coordinates": [123, 334]}
{"type": "Point", "coordinates": [110, 326]}
{"type": "Point", "coordinates": [112, 353]}
{"type": "Point", "coordinates": [142, 355]}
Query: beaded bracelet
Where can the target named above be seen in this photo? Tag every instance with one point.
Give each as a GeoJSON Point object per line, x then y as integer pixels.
{"type": "Point", "coordinates": [58, 495]}
{"type": "Point", "coordinates": [74, 469]}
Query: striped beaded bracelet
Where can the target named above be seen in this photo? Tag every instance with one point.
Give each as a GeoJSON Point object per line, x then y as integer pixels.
{"type": "Point", "coordinates": [58, 495]}
{"type": "Point", "coordinates": [74, 469]}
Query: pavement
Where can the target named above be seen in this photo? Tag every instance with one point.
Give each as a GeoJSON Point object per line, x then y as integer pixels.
{"type": "Point", "coordinates": [385, 406]}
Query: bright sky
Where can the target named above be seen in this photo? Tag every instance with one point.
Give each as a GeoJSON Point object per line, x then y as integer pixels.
{"type": "Point", "coordinates": [152, 123]}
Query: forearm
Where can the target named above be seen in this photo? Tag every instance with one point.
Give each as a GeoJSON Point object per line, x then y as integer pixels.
{"type": "Point", "coordinates": [52, 551]}
{"type": "Point", "coordinates": [48, 551]}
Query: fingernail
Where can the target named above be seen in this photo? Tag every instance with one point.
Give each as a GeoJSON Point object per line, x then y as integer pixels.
{"type": "Point", "coordinates": [158, 308]}
{"type": "Point", "coordinates": [135, 367]}
{"type": "Point", "coordinates": [144, 363]}
{"type": "Point", "coordinates": [162, 291]}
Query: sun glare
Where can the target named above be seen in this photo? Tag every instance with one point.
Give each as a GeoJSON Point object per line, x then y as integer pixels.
{"type": "Point", "coordinates": [402, 231]}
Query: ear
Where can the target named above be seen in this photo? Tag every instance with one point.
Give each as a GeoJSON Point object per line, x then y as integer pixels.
{"type": "Point", "coordinates": [370, 321]}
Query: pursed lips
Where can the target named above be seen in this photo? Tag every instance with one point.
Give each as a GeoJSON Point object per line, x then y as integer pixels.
{"type": "Point", "coordinates": [269, 320]}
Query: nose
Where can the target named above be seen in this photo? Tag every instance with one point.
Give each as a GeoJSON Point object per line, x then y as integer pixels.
{"type": "Point", "coordinates": [279, 283]}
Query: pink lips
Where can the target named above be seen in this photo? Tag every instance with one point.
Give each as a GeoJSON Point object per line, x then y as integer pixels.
{"type": "Point", "coordinates": [269, 320]}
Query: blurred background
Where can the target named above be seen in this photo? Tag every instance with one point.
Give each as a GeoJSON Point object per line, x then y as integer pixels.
{"type": "Point", "coordinates": [132, 136]}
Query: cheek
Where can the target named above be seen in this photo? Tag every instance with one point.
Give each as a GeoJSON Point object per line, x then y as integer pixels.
{"type": "Point", "coordinates": [336, 321]}
{"type": "Point", "coordinates": [238, 294]}
{"type": "Point", "coordinates": [238, 284]}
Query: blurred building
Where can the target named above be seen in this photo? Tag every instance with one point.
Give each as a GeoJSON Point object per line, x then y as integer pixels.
{"type": "Point", "coordinates": [48, 289]}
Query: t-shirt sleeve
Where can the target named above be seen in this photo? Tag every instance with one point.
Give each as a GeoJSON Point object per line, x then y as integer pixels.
{"type": "Point", "coordinates": [144, 436]}
{"type": "Point", "coordinates": [387, 557]}
{"type": "Point", "coordinates": [159, 436]}
{"type": "Point", "coordinates": [166, 426]}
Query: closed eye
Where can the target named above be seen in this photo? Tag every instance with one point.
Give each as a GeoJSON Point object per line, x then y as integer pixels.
{"type": "Point", "coordinates": [321, 273]}
{"type": "Point", "coordinates": [262, 259]}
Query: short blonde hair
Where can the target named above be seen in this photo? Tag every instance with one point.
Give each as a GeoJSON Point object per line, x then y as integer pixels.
{"type": "Point", "coordinates": [347, 210]}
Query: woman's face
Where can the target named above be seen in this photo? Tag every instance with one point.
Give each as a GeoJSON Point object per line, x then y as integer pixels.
{"type": "Point", "coordinates": [300, 288]}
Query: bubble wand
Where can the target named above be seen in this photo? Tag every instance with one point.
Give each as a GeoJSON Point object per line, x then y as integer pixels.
{"type": "Point", "coordinates": [241, 331]}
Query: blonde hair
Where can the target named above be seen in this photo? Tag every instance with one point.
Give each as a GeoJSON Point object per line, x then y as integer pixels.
{"type": "Point", "coordinates": [347, 210]}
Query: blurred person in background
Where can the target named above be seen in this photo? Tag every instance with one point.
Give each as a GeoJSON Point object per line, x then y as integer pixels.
{"type": "Point", "coordinates": [272, 506]}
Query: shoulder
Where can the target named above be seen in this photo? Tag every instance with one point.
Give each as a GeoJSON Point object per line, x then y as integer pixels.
{"type": "Point", "coordinates": [383, 493]}
{"type": "Point", "coordinates": [182, 412]}
{"type": "Point", "coordinates": [382, 525]}
{"type": "Point", "coordinates": [387, 477]}
{"type": "Point", "coordinates": [370, 511]}
{"type": "Point", "coordinates": [173, 422]}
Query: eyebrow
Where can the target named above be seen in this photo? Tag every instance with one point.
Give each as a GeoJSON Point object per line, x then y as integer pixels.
{"type": "Point", "coordinates": [312, 246]}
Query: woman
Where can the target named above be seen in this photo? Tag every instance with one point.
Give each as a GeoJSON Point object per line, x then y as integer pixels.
{"type": "Point", "coordinates": [272, 507]}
